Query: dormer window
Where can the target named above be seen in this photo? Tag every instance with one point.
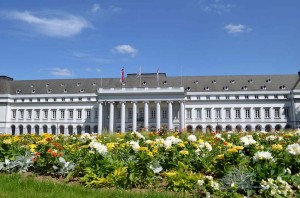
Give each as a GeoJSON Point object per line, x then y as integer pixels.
{"type": "Point", "coordinates": [206, 88]}
{"type": "Point", "coordinates": [250, 81]}
{"type": "Point", "coordinates": [214, 81]}
{"type": "Point", "coordinates": [33, 91]}
{"type": "Point", "coordinates": [268, 80]}
{"type": "Point", "coordinates": [225, 88]}
{"type": "Point", "coordinates": [49, 90]}
{"type": "Point", "coordinates": [81, 90]}
{"type": "Point", "coordinates": [264, 87]}
{"type": "Point", "coordinates": [31, 85]}
{"type": "Point", "coordinates": [18, 91]}
{"type": "Point", "coordinates": [78, 84]}
{"type": "Point", "coordinates": [47, 85]}
{"type": "Point", "coordinates": [165, 82]}
{"type": "Point", "coordinates": [244, 87]}
{"type": "Point", "coordinates": [232, 81]}
{"type": "Point", "coordinates": [62, 84]}
{"type": "Point", "coordinates": [94, 84]}
{"type": "Point", "coordinates": [65, 91]}
{"type": "Point", "coordinates": [196, 82]}
{"type": "Point", "coordinates": [188, 89]}
{"type": "Point", "coordinates": [282, 87]}
{"type": "Point", "coordinates": [144, 83]}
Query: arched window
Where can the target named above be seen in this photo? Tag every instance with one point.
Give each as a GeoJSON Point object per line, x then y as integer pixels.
{"type": "Point", "coordinates": [13, 130]}
{"type": "Point", "coordinates": [36, 130]}
{"type": "Point", "coordinates": [248, 128]}
{"type": "Point", "coordinates": [70, 130]}
{"type": "Point", "coordinates": [28, 129]}
{"type": "Point", "coordinates": [228, 128]}
{"type": "Point", "coordinates": [87, 129]}
{"type": "Point", "coordinates": [45, 129]}
{"type": "Point", "coordinates": [61, 129]}
{"type": "Point", "coordinates": [268, 128]}
{"type": "Point", "coordinates": [238, 128]}
{"type": "Point", "coordinates": [21, 130]}
{"type": "Point", "coordinates": [189, 128]}
{"type": "Point", "coordinates": [53, 129]}
{"type": "Point", "coordinates": [79, 130]}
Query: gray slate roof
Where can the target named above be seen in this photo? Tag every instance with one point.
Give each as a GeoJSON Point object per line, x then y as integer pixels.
{"type": "Point", "coordinates": [194, 83]}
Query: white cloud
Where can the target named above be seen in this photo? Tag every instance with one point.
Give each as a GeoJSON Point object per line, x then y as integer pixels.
{"type": "Point", "coordinates": [215, 6]}
{"type": "Point", "coordinates": [58, 25]}
{"type": "Point", "coordinates": [236, 29]}
{"type": "Point", "coordinates": [95, 8]}
{"type": "Point", "coordinates": [61, 72]}
{"type": "Point", "coordinates": [125, 49]}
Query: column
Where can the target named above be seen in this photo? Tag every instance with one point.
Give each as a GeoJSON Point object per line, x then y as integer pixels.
{"type": "Point", "coordinates": [146, 114]}
{"type": "Point", "coordinates": [182, 117]}
{"type": "Point", "coordinates": [122, 117]}
{"type": "Point", "coordinates": [100, 118]}
{"type": "Point", "coordinates": [252, 114]}
{"type": "Point", "coordinates": [157, 115]}
{"type": "Point", "coordinates": [134, 116]}
{"type": "Point", "coordinates": [92, 114]}
{"type": "Point", "coordinates": [111, 117]}
{"type": "Point", "coordinates": [170, 115]}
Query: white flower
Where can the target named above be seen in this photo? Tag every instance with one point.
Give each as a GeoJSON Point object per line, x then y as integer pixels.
{"type": "Point", "coordinates": [219, 137]}
{"type": "Point", "coordinates": [138, 135]}
{"type": "Point", "coordinates": [262, 155]}
{"type": "Point", "coordinates": [156, 170]}
{"type": "Point", "coordinates": [148, 141]}
{"type": "Point", "coordinates": [100, 148]}
{"type": "Point", "coordinates": [214, 185]}
{"type": "Point", "coordinates": [293, 149]}
{"type": "Point", "coordinates": [205, 145]}
{"type": "Point", "coordinates": [167, 144]}
{"type": "Point", "coordinates": [200, 182]}
{"type": "Point", "coordinates": [288, 171]}
{"type": "Point", "coordinates": [247, 140]}
{"type": "Point", "coordinates": [134, 145]}
{"type": "Point", "coordinates": [174, 140]}
{"type": "Point", "coordinates": [209, 177]}
{"type": "Point", "coordinates": [192, 138]}
{"type": "Point", "coordinates": [271, 138]}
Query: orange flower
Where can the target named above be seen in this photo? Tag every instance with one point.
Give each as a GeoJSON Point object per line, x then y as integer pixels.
{"type": "Point", "coordinates": [49, 151]}
{"type": "Point", "coordinates": [55, 144]}
{"type": "Point", "coordinates": [37, 153]}
{"type": "Point", "coordinates": [34, 159]}
{"type": "Point", "coordinates": [53, 154]}
{"type": "Point", "coordinates": [61, 154]}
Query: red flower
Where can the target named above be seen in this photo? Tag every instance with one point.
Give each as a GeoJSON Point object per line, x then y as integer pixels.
{"type": "Point", "coordinates": [37, 153]}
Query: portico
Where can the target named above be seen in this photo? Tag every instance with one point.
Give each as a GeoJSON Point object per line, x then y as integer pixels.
{"type": "Point", "coordinates": [128, 106]}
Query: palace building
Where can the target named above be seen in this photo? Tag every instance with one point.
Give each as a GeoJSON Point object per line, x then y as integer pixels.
{"type": "Point", "coordinates": [150, 102]}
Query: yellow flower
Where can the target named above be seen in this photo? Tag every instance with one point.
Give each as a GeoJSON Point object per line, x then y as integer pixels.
{"type": "Point", "coordinates": [7, 141]}
{"type": "Point", "coordinates": [155, 150]}
{"type": "Point", "coordinates": [277, 147]}
{"type": "Point", "coordinates": [32, 147]}
{"type": "Point", "coordinates": [220, 156]}
{"type": "Point", "coordinates": [181, 145]}
{"type": "Point", "coordinates": [171, 174]}
{"type": "Point", "coordinates": [261, 147]}
{"type": "Point", "coordinates": [6, 135]}
{"type": "Point", "coordinates": [150, 154]}
{"type": "Point", "coordinates": [200, 140]}
{"type": "Point", "coordinates": [239, 148]}
{"type": "Point", "coordinates": [110, 146]}
{"type": "Point", "coordinates": [16, 138]}
{"type": "Point", "coordinates": [184, 152]}
{"type": "Point", "coordinates": [143, 149]}
{"type": "Point", "coordinates": [232, 150]}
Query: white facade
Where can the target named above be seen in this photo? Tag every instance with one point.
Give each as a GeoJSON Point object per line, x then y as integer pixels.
{"type": "Point", "coordinates": [125, 109]}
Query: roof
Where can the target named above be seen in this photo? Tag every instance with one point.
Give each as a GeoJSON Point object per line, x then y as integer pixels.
{"type": "Point", "coordinates": [191, 83]}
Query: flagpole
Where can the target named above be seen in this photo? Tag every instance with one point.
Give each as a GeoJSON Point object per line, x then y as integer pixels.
{"type": "Point", "coordinates": [140, 76]}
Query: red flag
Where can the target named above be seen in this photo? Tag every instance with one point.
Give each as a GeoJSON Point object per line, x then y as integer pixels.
{"type": "Point", "coordinates": [157, 74]}
{"type": "Point", "coordinates": [122, 75]}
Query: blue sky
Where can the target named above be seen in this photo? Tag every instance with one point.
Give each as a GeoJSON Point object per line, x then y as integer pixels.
{"type": "Point", "coordinates": [43, 39]}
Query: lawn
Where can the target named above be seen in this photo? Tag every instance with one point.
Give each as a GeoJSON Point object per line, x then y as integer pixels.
{"type": "Point", "coordinates": [16, 185]}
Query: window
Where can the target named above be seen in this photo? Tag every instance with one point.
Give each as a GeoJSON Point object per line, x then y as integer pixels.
{"type": "Point", "coordinates": [89, 99]}
{"type": "Point", "coordinates": [79, 114]}
{"type": "Point", "coordinates": [142, 114]}
{"type": "Point", "coordinates": [188, 97]}
{"type": "Point", "coordinates": [29, 114]}
{"type": "Point", "coordinates": [247, 113]}
{"type": "Point", "coordinates": [49, 90]}
{"type": "Point", "coordinates": [153, 114]}
{"type": "Point", "coordinates": [54, 99]}
{"type": "Point", "coordinates": [227, 114]}
{"type": "Point", "coordinates": [88, 114]}
{"type": "Point", "coordinates": [80, 99]}
{"type": "Point", "coordinates": [198, 97]}
{"type": "Point", "coordinates": [130, 113]}
{"type": "Point", "coordinates": [71, 114]}
{"type": "Point", "coordinates": [63, 99]}
{"type": "Point", "coordinates": [37, 114]}
{"type": "Point", "coordinates": [119, 114]}
{"type": "Point", "coordinates": [21, 114]}
{"type": "Point", "coordinates": [208, 113]}
{"type": "Point", "coordinates": [198, 113]}
{"type": "Point", "coordinates": [62, 114]}
{"type": "Point", "coordinates": [237, 97]}
{"type": "Point", "coordinates": [227, 97]}
{"type": "Point", "coordinates": [257, 113]}
{"type": "Point", "coordinates": [238, 113]}
{"type": "Point", "coordinates": [286, 113]}
{"type": "Point", "coordinates": [164, 114]}
{"type": "Point", "coordinates": [225, 88]}
{"type": "Point", "coordinates": [275, 96]}
{"type": "Point", "coordinates": [266, 97]}
{"type": "Point", "coordinates": [218, 97]}
{"type": "Point", "coordinates": [189, 113]}
{"type": "Point", "coordinates": [247, 97]}
{"type": "Point", "coordinates": [277, 113]}
{"type": "Point", "coordinates": [285, 96]}
{"type": "Point", "coordinates": [207, 97]}
{"type": "Point", "coordinates": [267, 113]}
{"type": "Point", "coordinates": [218, 113]}
{"type": "Point", "coordinates": [53, 114]}
{"type": "Point", "coordinates": [71, 99]}
{"type": "Point", "coordinates": [14, 114]}
{"type": "Point", "coordinates": [96, 114]}
{"type": "Point", "coordinates": [256, 96]}
{"type": "Point", "coordinates": [45, 114]}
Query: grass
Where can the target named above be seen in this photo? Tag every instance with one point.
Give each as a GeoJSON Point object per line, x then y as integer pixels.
{"type": "Point", "coordinates": [16, 185]}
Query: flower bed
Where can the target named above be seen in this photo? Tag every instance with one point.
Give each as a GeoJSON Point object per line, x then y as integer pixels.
{"type": "Point", "coordinates": [224, 164]}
